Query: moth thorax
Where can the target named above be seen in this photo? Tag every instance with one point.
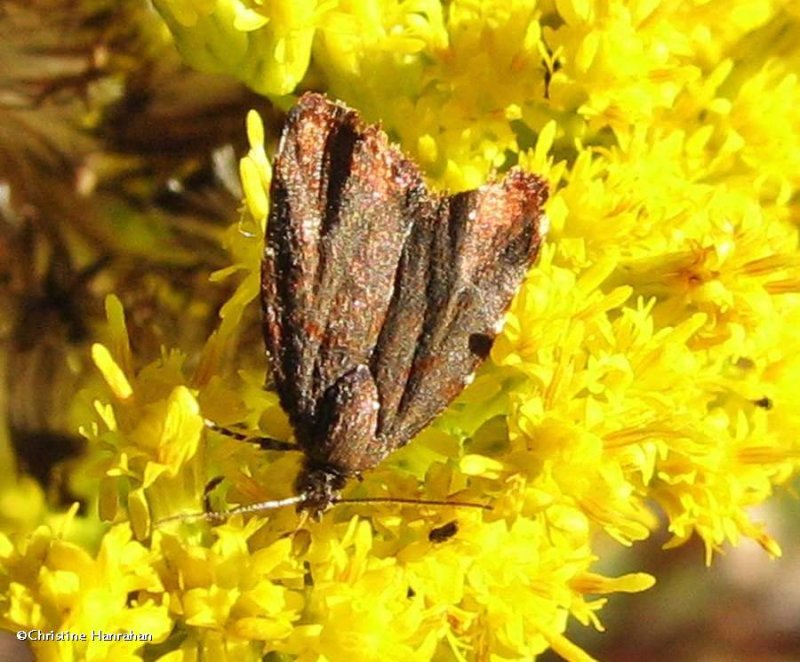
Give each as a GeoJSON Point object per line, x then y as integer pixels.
{"type": "Point", "coordinates": [320, 484]}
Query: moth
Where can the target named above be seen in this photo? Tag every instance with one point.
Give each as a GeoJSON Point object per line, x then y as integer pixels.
{"type": "Point", "coordinates": [380, 298]}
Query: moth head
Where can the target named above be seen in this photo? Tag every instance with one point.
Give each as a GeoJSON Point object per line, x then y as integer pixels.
{"type": "Point", "coordinates": [319, 487]}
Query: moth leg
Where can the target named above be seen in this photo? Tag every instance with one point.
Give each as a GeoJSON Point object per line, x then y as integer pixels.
{"type": "Point", "coordinates": [210, 485]}
{"type": "Point", "coordinates": [265, 443]}
{"type": "Point", "coordinates": [270, 444]}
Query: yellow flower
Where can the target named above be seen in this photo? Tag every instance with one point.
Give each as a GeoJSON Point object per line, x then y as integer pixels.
{"type": "Point", "coordinates": [648, 365]}
{"type": "Point", "coordinates": [53, 586]}
{"type": "Point", "coordinates": [266, 44]}
{"type": "Point", "coordinates": [152, 434]}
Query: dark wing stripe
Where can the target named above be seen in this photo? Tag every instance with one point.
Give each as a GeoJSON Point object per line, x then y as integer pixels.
{"type": "Point", "coordinates": [359, 256]}
{"type": "Point", "coordinates": [394, 352]}
{"type": "Point", "coordinates": [484, 242]}
{"type": "Point", "coordinates": [343, 201]}
{"type": "Point", "coordinates": [298, 206]}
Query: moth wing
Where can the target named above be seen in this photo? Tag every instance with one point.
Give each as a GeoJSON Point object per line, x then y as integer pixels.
{"type": "Point", "coordinates": [460, 268]}
{"type": "Point", "coordinates": [342, 204]}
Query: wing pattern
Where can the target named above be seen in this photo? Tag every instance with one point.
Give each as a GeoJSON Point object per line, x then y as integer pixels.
{"type": "Point", "coordinates": [379, 298]}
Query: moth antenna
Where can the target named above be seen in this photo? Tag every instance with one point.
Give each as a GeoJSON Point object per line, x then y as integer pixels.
{"type": "Point", "coordinates": [228, 432]}
{"type": "Point", "coordinates": [266, 443]}
{"type": "Point", "coordinates": [272, 504]}
{"type": "Point", "coordinates": [221, 515]}
{"type": "Point", "coordinates": [421, 502]}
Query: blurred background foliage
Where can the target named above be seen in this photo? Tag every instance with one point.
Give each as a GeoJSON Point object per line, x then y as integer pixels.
{"type": "Point", "coordinates": [118, 173]}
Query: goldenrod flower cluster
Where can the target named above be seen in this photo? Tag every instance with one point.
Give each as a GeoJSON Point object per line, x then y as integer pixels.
{"type": "Point", "coordinates": [647, 368]}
